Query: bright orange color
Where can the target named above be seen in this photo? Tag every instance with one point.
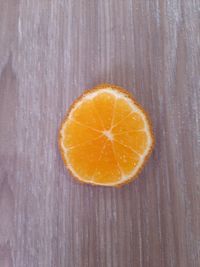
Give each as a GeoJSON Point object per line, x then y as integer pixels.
{"type": "Point", "coordinates": [106, 137]}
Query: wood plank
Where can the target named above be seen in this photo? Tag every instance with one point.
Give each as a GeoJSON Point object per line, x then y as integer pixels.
{"type": "Point", "coordinates": [50, 51]}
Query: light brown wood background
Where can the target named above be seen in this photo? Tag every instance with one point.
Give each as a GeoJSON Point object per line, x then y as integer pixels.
{"type": "Point", "coordinates": [50, 51]}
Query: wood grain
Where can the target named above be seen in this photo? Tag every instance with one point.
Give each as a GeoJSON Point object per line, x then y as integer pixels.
{"type": "Point", "coordinates": [50, 51]}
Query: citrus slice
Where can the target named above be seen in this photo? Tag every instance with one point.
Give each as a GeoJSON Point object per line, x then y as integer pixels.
{"type": "Point", "coordinates": [106, 137]}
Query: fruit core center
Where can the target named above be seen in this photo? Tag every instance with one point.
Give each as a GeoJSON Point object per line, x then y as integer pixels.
{"type": "Point", "coordinates": [108, 134]}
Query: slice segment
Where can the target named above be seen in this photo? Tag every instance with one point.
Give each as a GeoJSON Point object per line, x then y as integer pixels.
{"type": "Point", "coordinates": [104, 104]}
{"type": "Point", "coordinates": [84, 159]}
{"type": "Point", "coordinates": [74, 134]}
{"type": "Point", "coordinates": [126, 158]}
{"type": "Point", "coordinates": [121, 111]}
{"type": "Point", "coordinates": [135, 140]}
{"type": "Point", "coordinates": [87, 115]}
{"type": "Point", "coordinates": [107, 170]}
{"type": "Point", "coordinates": [132, 122]}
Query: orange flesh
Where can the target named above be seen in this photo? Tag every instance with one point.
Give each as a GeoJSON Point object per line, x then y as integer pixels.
{"type": "Point", "coordinates": [104, 139]}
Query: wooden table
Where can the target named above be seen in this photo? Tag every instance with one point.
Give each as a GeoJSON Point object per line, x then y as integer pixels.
{"type": "Point", "coordinates": [50, 51]}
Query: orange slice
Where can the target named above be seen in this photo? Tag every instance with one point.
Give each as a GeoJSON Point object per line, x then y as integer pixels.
{"type": "Point", "coordinates": [106, 137]}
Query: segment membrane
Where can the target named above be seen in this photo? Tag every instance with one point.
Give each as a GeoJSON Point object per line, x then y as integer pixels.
{"type": "Point", "coordinates": [75, 134]}
{"type": "Point", "coordinates": [87, 115]}
{"type": "Point", "coordinates": [126, 158]}
{"type": "Point", "coordinates": [107, 170]}
{"type": "Point", "coordinates": [132, 122]}
{"type": "Point", "coordinates": [136, 141]}
{"type": "Point", "coordinates": [83, 160]}
{"type": "Point", "coordinates": [104, 104]}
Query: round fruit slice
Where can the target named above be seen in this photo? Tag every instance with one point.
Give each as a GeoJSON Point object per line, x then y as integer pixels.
{"type": "Point", "coordinates": [106, 137]}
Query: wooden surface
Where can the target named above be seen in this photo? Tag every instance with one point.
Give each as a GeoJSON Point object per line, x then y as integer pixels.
{"type": "Point", "coordinates": [50, 51]}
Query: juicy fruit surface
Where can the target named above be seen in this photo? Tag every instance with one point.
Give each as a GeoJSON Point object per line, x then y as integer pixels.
{"type": "Point", "coordinates": [105, 138]}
